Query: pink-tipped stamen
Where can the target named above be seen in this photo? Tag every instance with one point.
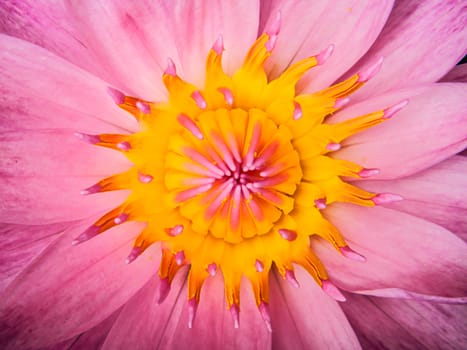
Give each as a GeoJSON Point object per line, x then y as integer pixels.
{"type": "Point", "coordinates": [174, 231]}
{"type": "Point", "coordinates": [250, 155]}
{"type": "Point", "coordinates": [275, 27]}
{"type": "Point", "coordinates": [170, 70]}
{"type": "Point", "coordinates": [265, 314]}
{"type": "Point", "coordinates": [228, 95]}
{"type": "Point", "coordinates": [212, 269]}
{"type": "Point", "coordinates": [290, 277]}
{"type": "Point", "coordinates": [370, 72]}
{"type": "Point", "coordinates": [259, 266]}
{"type": "Point", "coordinates": [180, 258]}
{"type": "Point", "coordinates": [199, 99]}
{"type": "Point", "coordinates": [368, 172]}
{"type": "Point", "coordinates": [135, 252]}
{"type": "Point", "coordinates": [192, 192]}
{"type": "Point", "coordinates": [190, 125]}
{"type": "Point", "coordinates": [324, 55]}
{"type": "Point", "coordinates": [271, 43]}
{"type": "Point", "coordinates": [341, 102]}
{"type": "Point", "coordinates": [333, 146]}
{"type": "Point", "coordinates": [297, 111]}
{"type": "Point", "coordinates": [235, 312]}
{"type": "Point", "coordinates": [192, 308]}
{"type": "Point", "coordinates": [320, 203]}
{"type": "Point", "coordinates": [391, 111]}
{"type": "Point", "coordinates": [117, 96]}
{"type": "Point", "coordinates": [289, 235]}
{"type": "Point", "coordinates": [124, 146]}
{"type": "Point", "coordinates": [91, 190]}
{"type": "Point", "coordinates": [164, 289]}
{"type": "Point", "coordinates": [92, 139]}
{"type": "Point", "coordinates": [386, 198]}
{"type": "Point", "coordinates": [218, 46]}
{"type": "Point", "coordinates": [143, 107]}
{"type": "Point", "coordinates": [331, 290]}
{"type": "Point", "coordinates": [352, 254]}
{"type": "Point", "coordinates": [121, 218]}
{"type": "Point", "coordinates": [90, 232]}
{"type": "Point", "coordinates": [145, 178]}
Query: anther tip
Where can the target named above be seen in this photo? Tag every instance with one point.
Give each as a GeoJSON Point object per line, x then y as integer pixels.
{"type": "Point", "coordinates": [368, 172]}
{"type": "Point", "coordinates": [92, 139]}
{"type": "Point", "coordinates": [143, 107]}
{"type": "Point", "coordinates": [389, 112]}
{"type": "Point", "coordinates": [386, 198]}
{"type": "Point", "coordinates": [192, 308]}
{"type": "Point", "coordinates": [218, 46]}
{"type": "Point", "coordinates": [275, 26]}
{"type": "Point", "coordinates": [134, 253]}
{"type": "Point", "coordinates": [321, 203]}
{"type": "Point", "coordinates": [341, 102]}
{"type": "Point", "coordinates": [331, 290]}
{"type": "Point", "coordinates": [117, 96]}
{"type": "Point", "coordinates": [235, 312]}
{"type": "Point", "coordinates": [265, 314]}
{"type": "Point", "coordinates": [333, 146]}
{"type": "Point", "coordinates": [297, 112]}
{"type": "Point", "coordinates": [351, 254]}
{"type": "Point", "coordinates": [170, 70]}
{"type": "Point", "coordinates": [324, 55]}
{"type": "Point", "coordinates": [371, 71]}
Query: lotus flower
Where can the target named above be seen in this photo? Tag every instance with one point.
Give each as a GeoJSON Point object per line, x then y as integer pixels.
{"type": "Point", "coordinates": [233, 174]}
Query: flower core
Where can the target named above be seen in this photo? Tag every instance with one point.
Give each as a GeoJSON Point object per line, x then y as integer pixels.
{"type": "Point", "coordinates": [233, 177]}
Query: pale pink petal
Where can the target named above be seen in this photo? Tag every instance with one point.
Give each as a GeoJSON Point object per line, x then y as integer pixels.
{"type": "Point", "coordinates": [458, 73]}
{"type": "Point", "coordinates": [311, 26]}
{"type": "Point", "coordinates": [307, 318]}
{"type": "Point", "coordinates": [402, 251]}
{"type": "Point", "coordinates": [20, 244]}
{"type": "Point", "coordinates": [421, 42]}
{"type": "Point", "coordinates": [146, 33]}
{"type": "Point", "coordinates": [47, 24]}
{"type": "Point", "coordinates": [431, 128]}
{"type": "Point", "coordinates": [75, 287]}
{"type": "Point", "coordinates": [166, 325]}
{"type": "Point", "coordinates": [41, 90]}
{"type": "Point", "coordinates": [436, 195]}
{"type": "Point", "coordinates": [402, 324]}
{"type": "Point", "coordinates": [44, 172]}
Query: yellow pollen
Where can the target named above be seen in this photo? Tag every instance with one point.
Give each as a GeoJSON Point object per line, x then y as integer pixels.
{"type": "Point", "coordinates": [234, 176]}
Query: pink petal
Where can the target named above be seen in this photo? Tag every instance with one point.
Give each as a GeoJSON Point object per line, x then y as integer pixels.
{"type": "Point", "coordinates": [95, 337]}
{"type": "Point", "coordinates": [42, 90]}
{"type": "Point", "coordinates": [458, 74]}
{"type": "Point", "coordinates": [20, 244]}
{"type": "Point", "coordinates": [47, 24]}
{"type": "Point", "coordinates": [402, 251]}
{"type": "Point", "coordinates": [307, 318]}
{"type": "Point", "coordinates": [431, 128]}
{"type": "Point", "coordinates": [421, 42]}
{"type": "Point", "coordinates": [403, 324]}
{"type": "Point", "coordinates": [436, 195]}
{"type": "Point", "coordinates": [72, 288]}
{"type": "Point", "coordinates": [309, 27]}
{"type": "Point", "coordinates": [167, 325]}
{"type": "Point", "coordinates": [44, 171]}
{"type": "Point", "coordinates": [122, 32]}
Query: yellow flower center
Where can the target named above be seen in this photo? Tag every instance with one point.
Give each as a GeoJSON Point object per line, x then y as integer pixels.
{"type": "Point", "coordinates": [233, 177]}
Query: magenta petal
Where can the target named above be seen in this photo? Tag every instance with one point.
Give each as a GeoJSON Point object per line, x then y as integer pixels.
{"type": "Point", "coordinates": [402, 251]}
{"type": "Point", "coordinates": [43, 91]}
{"type": "Point", "coordinates": [436, 194]}
{"type": "Point", "coordinates": [43, 173]}
{"type": "Point", "coordinates": [47, 24]}
{"type": "Point", "coordinates": [422, 41]}
{"type": "Point", "coordinates": [167, 324]}
{"type": "Point", "coordinates": [404, 324]}
{"type": "Point", "coordinates": [457, 74]}
{"type": "Point", "coordinates": [20, 244]}
{"type": "Point", "coordinates": [431, 128]}
{"type": "Point", "coordinates": [309, 27]}
{"type": "Point", "coordinates": [306, 317]}
{"type": "Point", "coordinates": [68, 287]}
